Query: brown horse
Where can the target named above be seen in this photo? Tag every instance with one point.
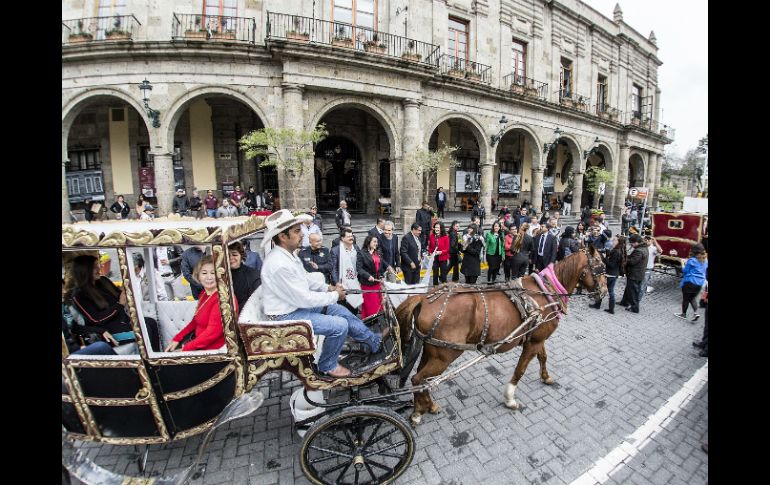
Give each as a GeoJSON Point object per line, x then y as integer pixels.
{"type": "Point", "coordinates": [462, 322]}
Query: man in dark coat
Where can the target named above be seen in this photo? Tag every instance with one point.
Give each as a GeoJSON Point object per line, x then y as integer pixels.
{"type": "Point", "coordinates": [636, 264]}
{"type": "Point", "coordinates": [316, 258]}
{"type": "Point", "coordinates": [440, 201]}
{"type": "Point", "coordinates": [424, 216]}
{"type": "Point", "coordinates": [342, 216]}
{"type": "Point", "coordinates": [411, 252]}
{"type": "Point", "coordinates": [376, 231]}
{"type": "Point", "coordinates": [347, 242]}
{"type": "Point", "coordinates": [245, 278]}
{"type": "Point", "coordinates": [190, 258]}
{"type": "Point", "coordinates": [546, 247]}
{"type": "Point", "coordinates": [388, 245]}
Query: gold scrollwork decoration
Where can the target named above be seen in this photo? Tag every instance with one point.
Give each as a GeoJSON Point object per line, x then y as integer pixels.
{"type": "Point", "coordinates": [207, 384]}
{"type": "Point", "coordinates": [78, 237]}
{"type": "Point", "coordinates": [130, 303]}
{"type": "Point", "coordinates": [202, 359]}
{"type": "Point", "coordinates": [110, 364]}
{"type": "Point", "coordinates": [113, 401]}
{"type": "Point", "coordinates": [196, 430]}
{"type": "Point", "coordinates": [253, 224]}
{"type": "Point", "coordinates": [311, 378]}
{"type": "Point", "coordinates": [256, 370]}
{"type": "Point", "coordinates": [278, 339]}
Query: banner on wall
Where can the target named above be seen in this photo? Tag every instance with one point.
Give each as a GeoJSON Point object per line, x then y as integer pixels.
{"type": "Point", "coordinates": [467, 181]}
{"type": "Point", "coordinates": [509, 183]}
{"type": "Point", "coordinates": [548, 185]}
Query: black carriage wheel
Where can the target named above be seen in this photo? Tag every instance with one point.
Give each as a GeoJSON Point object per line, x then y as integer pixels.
{"type": "Point", "coordinates": [357, 446]}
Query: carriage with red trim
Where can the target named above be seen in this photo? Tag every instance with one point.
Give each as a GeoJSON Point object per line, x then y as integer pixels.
{"type": "Point", "coordinates": [676, 232]}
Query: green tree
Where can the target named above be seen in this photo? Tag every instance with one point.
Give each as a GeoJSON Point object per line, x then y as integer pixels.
{"type": "Point", "coordinates": [285, 149]}
{"type": "Point", "coordinates": [594, 177]}
{"type": "Point", "coordinates": [425, 163]}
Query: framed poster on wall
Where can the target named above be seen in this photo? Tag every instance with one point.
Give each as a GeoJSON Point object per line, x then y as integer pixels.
{"type": "Point", "coordinates": [509, 183]}
{"type": "Point", "coordinates": [467, 181]}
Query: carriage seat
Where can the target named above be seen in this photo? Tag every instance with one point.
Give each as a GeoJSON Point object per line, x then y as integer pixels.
{"type": "Point", "coordinates": [263, 337]}
{"type": "Point", "coordinates": [173, 316]}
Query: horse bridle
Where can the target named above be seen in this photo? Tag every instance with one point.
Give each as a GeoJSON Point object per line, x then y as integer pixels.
{"type": "Point", "coordinates": [597, 270]}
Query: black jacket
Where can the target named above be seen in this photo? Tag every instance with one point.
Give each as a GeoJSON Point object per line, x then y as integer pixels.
{"type": "Point", "coordinates": [334, 257]}
{"type": "Point", "coordinates": [365, 268]}
{"type": "Point", "coordinates": [408, 251]}
{"type": "Point", "coordinates": [527, 247]}
{"type": "Point", "coordinates": [613, 264]}
{"type": "Point", "coordinates": [122, 211]}
{"type": "Point", "coordinates": [564, 243]}
{"type": "Point", "coordinates": [390, 251]}
{"type": "Point", "coordinates": [245, 280]}
{"type": "Point", "coordinates": [195, 203]}
{"type": "Point", "coordinates": [471, 265]}
{"type": "Point", "coordinates": [338, 218]}
{"type": "Point", "coordinates": [455, 242]}
{"type": "Point", "coordinates": [113, 318]}
{"type": "Point", "coordinates": [549, 251]}
{"type": "Point", "coordinates": [321, 257]}
{"type": "Point", "coordinates": [636, 263]}
{"type": "Point", "coordinates": [374, 232]}
{"type": "Point", "coordinates": [424, 217]}
{"type": "Point", "coordinates": [441, 202]}
{"type": "Point", "coordinates": [181, 204]}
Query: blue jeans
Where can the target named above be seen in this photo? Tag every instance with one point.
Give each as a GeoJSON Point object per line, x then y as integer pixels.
{"type": "Point", "coordinates": [96, 348]}
{"type": "Point", "coordinates": [211, 212]}
{"type": "Point", "coordinates": [335, 325]}
{"type": "Point", "coordinates": [645, 281]}
{"type": "Point", "coordinates": [611, 290]}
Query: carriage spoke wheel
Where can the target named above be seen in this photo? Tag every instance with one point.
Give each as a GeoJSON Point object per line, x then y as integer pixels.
{"type": "Point", "coordinates": [359, 445]}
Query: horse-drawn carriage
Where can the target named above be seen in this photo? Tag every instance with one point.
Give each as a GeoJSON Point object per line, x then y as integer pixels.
{"type": "Point", "coordinates": [148, 396]}
{"type": "Point", "coordinates": [676, 232]}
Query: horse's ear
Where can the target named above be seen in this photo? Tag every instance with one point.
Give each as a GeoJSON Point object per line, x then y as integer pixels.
{"type": "Point", "coordinates": [591, 249]}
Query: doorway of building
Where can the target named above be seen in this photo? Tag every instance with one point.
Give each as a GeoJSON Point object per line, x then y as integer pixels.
{"type": "Point", "coordinates": [338, 174]}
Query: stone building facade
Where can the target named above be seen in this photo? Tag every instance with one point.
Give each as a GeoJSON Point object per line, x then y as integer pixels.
{"type": "Point", "coordinates": [387, 77]}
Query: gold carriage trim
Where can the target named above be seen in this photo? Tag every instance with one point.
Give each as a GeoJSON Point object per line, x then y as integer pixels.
{"type": "Point", "coordinates": [196, 430]}
{"type": "Point", "coordinates": [128, 364]}
{"type": "Point", "coordinates": [76, 392]}
{"type": "Point", "coordinates": [66, 398]}
{"type": "Point", "coordinates": [208, 384]}
{"type": "Point", "coordinates": [676, 239]}
{"type": "Point", "coordinates": [96, 401]}
{"type": "Point", "coordinates": [255, 371]}
{"type": "Point", "coordinates": [202, 359]}
{"type": "Point", "coordinates": [293, 338]}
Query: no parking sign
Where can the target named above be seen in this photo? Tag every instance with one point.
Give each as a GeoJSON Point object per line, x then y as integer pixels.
{"type": "Point", "coordinates": [637, 192]}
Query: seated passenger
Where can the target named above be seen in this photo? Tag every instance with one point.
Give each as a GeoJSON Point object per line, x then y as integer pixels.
{"type": "Point", "coordinates": [69, 331]}
{"type": "Point", "coordinates": [141, 272]}
{"type": "Point", "coordinates": [205, 331]}
{"type": "Point", "coordinates": [245, 278]}
{"type": "Point", "coordinates": [289, 294]}
{"type": "Point", "coordinates": [102, 305]}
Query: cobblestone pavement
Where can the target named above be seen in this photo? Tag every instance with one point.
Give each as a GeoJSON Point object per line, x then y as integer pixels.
{"type": "Point", "coordinates": [612, 373]}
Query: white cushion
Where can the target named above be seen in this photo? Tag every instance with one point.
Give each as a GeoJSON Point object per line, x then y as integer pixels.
{"type": "Point", "coordinates": [173, 316]}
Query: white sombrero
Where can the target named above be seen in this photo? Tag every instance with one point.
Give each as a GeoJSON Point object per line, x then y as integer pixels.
{"type": "Point", "coordinates": [281, 220]}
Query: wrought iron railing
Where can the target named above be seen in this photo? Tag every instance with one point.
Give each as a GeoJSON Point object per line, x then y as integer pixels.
{"type": "Point", "coordinates": [213, 27]}
{"type": "Point", "coordinates": [519, 84]}
{"type": "Point", "coordinates": [339, 34]}
{"type": "Point", "coordinates": [465, 69]}
{"type": "Point", "coordinates": [605, 111]}
{"type": "Point", "coordinates": [115, 27]}
{"type": "Point", "coordinates": [571, 99]}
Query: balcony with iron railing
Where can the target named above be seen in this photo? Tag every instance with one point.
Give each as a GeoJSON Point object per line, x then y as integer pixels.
{"type": "Point", "coordinates": [465, 69]}
{"type": "Point", "coordinates": [115, 27]}
{"type": "Point", "coordinates": [607, 112]}
{"type": "Point", "coordinates": [525, 86]}
{"type": "Point", "coordinates": [198, 27]}
{"type": "Point", "coordinates": [296, 28]}
{"type": "Point", "coordinates": [571, 99]}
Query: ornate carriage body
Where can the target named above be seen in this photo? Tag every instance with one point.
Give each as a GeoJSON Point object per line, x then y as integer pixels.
{"type": "Point", "coordinates": [676, 232]}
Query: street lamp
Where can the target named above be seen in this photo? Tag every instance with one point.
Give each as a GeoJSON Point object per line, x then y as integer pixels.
{"type": "Point", "coordinates": [497, 136]}
{"type": "Point", "coordinates": [547, 147]}
{"type": "Point", "coordinates": [153, 114]}
{"type": "Point", "coordinates": [594, 149]}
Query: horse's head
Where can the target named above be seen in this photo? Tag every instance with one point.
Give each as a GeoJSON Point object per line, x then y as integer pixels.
{"type": "Point", "coordinates": [592, 273]}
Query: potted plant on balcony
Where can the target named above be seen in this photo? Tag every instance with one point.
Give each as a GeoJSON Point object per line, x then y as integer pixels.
{"type": "Point", "coordinates": [80, 35]}
{"type": "Point", "coordinates": [117, 33]}
{"type": "Point", "coordinates": [566, 101]}
{"type": "Point", "coordinates": [342, 38]}
{"type": "Point", "coordinates": [517, 87]}
{"type": "Point", "coordinates": [581, 104]}
{"type": "Point", "coordinates": [529, 88]}
{"type": "Point", "coordinates": [296, 33]}
{"type": "Point", "coordinates": [197, 32]}
{"type": "Point", "coordinates": [456, 69]}
{"type": "Point", "coordinates": [409, 54]}
{"type": "Point", "coordinates": [470, 72]}
{"type": "Point", "coordinates": [375, 45]}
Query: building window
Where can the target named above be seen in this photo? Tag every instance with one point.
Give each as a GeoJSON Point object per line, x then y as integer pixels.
{"type": "Point", "coordinates": [214, 10]}
{"type": "Point", "coordinates": [147, 159]}
{"type": "Point", "coordinates": [457, 44]}
{"type": "Point", "coordinates": [601, 94]}
{"type": "Point", "coordinates": [84, 160]}
{"type": "Point", "coordinates": [636, 101]}
{"type": "Point", "coordinates": [360, 13]}
{"type": "Point", "coordinates": [107, 10]}
{"type": "Point", "coordinates": [565, 90]}
{"type": "Point", "coordinates": [519, 61]}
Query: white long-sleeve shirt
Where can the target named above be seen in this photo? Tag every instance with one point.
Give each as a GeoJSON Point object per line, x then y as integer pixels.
{"type": "Point", "coordinates": [287, 287]}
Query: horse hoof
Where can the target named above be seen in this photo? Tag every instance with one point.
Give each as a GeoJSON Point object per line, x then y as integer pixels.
{"type": "Point", "coordinates": [548, 381]}
{"type": "Point", "coordinates": [512, 404]}
{"type": "Point", "coordinates": [415, 420]}
{"type": "Point", "coordinates": [435, 408]}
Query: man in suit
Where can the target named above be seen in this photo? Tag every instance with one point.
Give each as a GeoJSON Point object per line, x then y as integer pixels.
{"type": "Point", "coordinates": [546, 247]}
{"type": "Point", "coordinates": [440, 201]}
{"type": "Point", "coordinates": [411, 253]}
{"type": "Point", "coordinates": [347, 244]}
{"type": "Point", "coordinates": [424, 216]}
{"type": "Point", "coordinates": [316, 258]}
{"type": "Point", "coordinates": [636, 264]}
{"type": "Point", "coordinates": [376, 231]}
{"type": "Point", "coordinates": [388, 245]}
{"type": "Point", "coordinates": [342, 216]}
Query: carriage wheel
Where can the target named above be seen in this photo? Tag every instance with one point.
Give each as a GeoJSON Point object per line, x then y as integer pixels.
{"type": "Point", "coordinates": [359, 445]}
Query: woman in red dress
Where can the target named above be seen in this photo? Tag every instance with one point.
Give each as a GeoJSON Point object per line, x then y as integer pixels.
{"type": "Point", "coordinates": [439, 242]}
{"type": "Point", "coordinates": [371, 267]}
{"type": "Point", "coordinates": [207, 321]}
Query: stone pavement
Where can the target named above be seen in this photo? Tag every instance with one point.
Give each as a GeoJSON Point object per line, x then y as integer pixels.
{"type": "Point", "coordinates": [612, 372]}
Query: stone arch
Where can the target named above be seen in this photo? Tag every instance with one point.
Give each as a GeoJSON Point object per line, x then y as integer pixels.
{"type": "Point", "coordinates": [636, 167]}
{"type": "Point", "coordinates": [609, 156]}
{"type": "Point", "coordinates": [177, 108]}
{"type": "Point", "coordinates": [574, 149]}
{"type": "Point", "coordinates": [368, 107]}
{"type": "Point", "coordinates": [75, 105]}
{"type": "Point", "coordinates": [475, 127]}
{"type": "Point", "coordinates": [537, 153]}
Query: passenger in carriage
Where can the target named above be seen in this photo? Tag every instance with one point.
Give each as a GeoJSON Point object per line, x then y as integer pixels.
{"type": "Point", "coordinates": [71, 334]}
{"type": "Point", "coordinates": [289, 294]}
{"type": "Point", "coordinates": [205, 331]}
{"type": "Point", "coordinates": [245, 279]}
{"type": "Point", "coordinates": [371, 268]}
{"type": "Point", "coordinates": [102, 305]}
{"type": "Point", "coordinates": [141, 272]}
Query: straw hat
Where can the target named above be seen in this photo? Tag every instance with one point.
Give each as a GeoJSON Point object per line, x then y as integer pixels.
{"type": "Point", "coordinates": [279, 221]}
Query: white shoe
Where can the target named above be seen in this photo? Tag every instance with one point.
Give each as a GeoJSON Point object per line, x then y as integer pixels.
{"type": "Point", "coordinates": [650, 289]}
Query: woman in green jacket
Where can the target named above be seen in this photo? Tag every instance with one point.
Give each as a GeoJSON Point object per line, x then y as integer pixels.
{"type": "Point", "coordinates": [495, 245]}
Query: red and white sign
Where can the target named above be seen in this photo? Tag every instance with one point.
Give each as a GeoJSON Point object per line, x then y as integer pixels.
{"type": "Point", "coordinates": [638, 192]}
{"type": "Point", "coordinates": [147, 181]}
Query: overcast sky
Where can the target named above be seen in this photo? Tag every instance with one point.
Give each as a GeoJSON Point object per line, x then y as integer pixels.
{"type": "Point", "coordinates": [681, 27]}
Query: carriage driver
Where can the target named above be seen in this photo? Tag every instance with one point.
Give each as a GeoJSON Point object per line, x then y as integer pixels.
{"type": "Point", "coordinates": [289, 294]}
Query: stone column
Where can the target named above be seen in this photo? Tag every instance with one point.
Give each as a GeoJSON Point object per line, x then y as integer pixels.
{"type": "Point", "coordinates": [370, 179]}
{"type": "Point", "coordinates": [164, 182]}
{"type": "Point", "coordinates": [621, 190]}
{"type": "Point", "coordinates": [609, 196]}
{"type": "Point", "coordinates": [536, 190]}
{"type": "Point", "coordinates": [577, 193]}
{"type": "Point", "coordinates": [487, 182]}
{"type": "Point", "coordinates": [297, 193]}
{"type": "Point", "coordinates": [658, 170]}
{"type": "Point", "coordinates": [409, 184]}
{"type": "Point", "coordinates": [65, 200]}
{"type": "Point", "coordinates": [652, 170]}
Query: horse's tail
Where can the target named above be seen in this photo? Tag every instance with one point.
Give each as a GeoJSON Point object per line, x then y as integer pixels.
{"type": "Point", "coordinates": [411, 346]}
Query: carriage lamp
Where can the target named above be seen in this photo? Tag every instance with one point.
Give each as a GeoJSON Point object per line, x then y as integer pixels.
{"type": "Point", "coordinates": [547, 147]}
{"type": "Point", "coordinates": [594, 149]}
{"type": "Point", "coordinates": [497, 136]}
{"type": "Point", "coordinates": [153, 114]}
